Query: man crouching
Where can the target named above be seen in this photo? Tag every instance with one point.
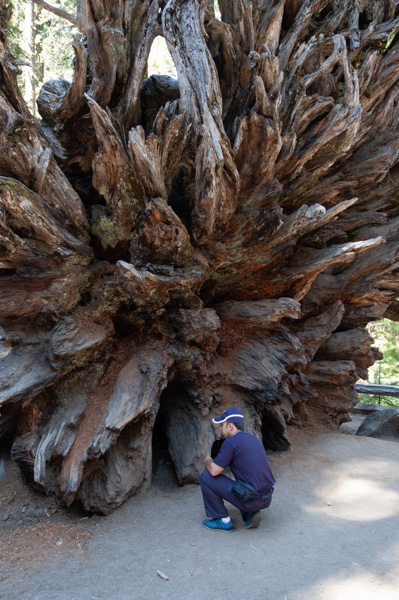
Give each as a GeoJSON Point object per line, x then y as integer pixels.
{"type": "Point", "coordinates": [253, 488]}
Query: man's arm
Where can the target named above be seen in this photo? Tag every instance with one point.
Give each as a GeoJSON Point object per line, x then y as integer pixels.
{"type": "Point", "coordinates": [212, 467]}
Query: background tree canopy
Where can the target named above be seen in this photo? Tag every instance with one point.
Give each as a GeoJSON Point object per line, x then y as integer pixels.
{"type": "Point", "coordinates": [385, 371]}
{"type": "Point", "coordinates": [42, 40]}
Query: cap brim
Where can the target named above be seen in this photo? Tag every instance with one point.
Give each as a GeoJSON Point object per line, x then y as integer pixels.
{"type": "Point", "coordinates": [237, 418]}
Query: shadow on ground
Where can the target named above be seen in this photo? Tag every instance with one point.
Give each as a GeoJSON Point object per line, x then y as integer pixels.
{"type": "Point", "coordinates": [332, 532]}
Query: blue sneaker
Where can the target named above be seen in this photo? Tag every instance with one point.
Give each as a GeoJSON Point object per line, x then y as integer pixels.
{"type": "Point", "coordinates": [253, 520]}
{"type": "Point", "coordinates": [218, 525]}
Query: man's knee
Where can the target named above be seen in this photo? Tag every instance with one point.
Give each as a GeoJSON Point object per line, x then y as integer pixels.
{"type": "Point", "coordinates": [205, 478]}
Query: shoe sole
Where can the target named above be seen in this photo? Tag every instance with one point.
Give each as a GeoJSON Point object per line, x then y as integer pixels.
{"type": "Point", "coordinates": [218, 529]}
{"type": "Point", "coordinates": [255, 522]}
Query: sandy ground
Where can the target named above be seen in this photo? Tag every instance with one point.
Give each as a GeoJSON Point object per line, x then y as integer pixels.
{"type": "Point", "coordinates": [331, 533]}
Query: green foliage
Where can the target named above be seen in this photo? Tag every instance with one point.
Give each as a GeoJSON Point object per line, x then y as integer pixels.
{"type": "Point", "coordinates": [44, 44]}
{"type": "Point", "coordinates": [54, 38]}
{"type": "Point", "coordinates": [386, 371]}
{"type": "Point", "coordinates": [15, 32]}
{"type": "Point", "coordinates": [383, 400]}
{"type": "Point", "coordinates": [385, 334]}
{"type": "Point", "coordinates": [390, 40]}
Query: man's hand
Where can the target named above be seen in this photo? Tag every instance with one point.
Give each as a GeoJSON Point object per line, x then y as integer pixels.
{"type": "Point", "coordinates": [212, 467]}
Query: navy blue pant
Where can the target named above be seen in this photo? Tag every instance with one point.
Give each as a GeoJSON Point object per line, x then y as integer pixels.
{"type": "Point", "coordinates": [219, 488]}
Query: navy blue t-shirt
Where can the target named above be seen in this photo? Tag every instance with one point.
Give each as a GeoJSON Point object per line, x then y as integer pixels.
{"type": "Point", "coordinates": [246, 457]}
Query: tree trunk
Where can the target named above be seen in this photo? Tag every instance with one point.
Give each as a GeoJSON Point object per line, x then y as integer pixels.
{"type": "Point", "coordinates": [27, 42]}
{"type": "Point", "coordinates": [218, 241]}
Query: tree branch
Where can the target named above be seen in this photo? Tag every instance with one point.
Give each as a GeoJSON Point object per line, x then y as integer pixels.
{"type": "Point", "coordinates": [60, 13]}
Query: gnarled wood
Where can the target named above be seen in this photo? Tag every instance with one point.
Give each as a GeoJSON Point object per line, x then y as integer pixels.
{"type": "Point", "coordinates": [222, 240]}
{"type": "Point", "coordinates": [217, 182]}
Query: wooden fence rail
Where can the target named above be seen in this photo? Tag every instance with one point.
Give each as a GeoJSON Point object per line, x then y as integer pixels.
{"type": "Point", "coordinates": [378, 390]}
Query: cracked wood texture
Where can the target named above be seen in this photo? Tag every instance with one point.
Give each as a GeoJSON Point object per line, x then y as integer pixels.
{"type": "Point", "coordinates": [170, 248]}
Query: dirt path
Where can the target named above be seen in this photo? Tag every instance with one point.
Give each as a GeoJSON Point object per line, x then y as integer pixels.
{"type": "Point", "coordinates": [331, 533]}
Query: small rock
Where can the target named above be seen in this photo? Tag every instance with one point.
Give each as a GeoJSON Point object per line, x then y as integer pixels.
{"type": "Point", "coordinates": [6, 517]}
{"type": "Point", "coordinates": [59, 543]}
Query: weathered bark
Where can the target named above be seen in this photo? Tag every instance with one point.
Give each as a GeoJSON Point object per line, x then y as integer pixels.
{"type": "Point", "coordinates": [172, 248]}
